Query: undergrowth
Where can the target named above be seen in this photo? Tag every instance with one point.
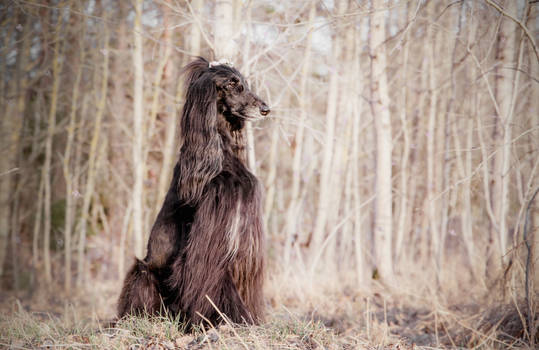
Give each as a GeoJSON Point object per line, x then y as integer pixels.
{"type": "Point", "coordinates": [388, 326]}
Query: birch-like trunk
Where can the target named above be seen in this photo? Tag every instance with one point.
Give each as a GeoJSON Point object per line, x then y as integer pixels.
{"type": "Point", "coordinates": [402, 225]}
{"type": "Point", "coordinates": [223, 44]}
{"type": "Point", "coordinates": [358, 234]}
{"type": "Point", "coordinates": [138, 133]}
{"type": "Point", "coordinates": [505, 55]}
{"type": "Point", "coordinates": [319, 230]}
{"type": "Point", "coordinates": [383, 224]}
{"type": "Point", "coordinates": [68, 174]}
{"type": "Point", "coordinates": [271, 175]}
{"type": "Point", "coordinates": [293, 206]}
{"type": "Point", "coordinates": [432, 203]}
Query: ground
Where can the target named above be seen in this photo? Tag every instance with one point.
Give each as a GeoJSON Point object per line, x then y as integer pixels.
{"type": "Point", "coordinates": [331, 318]}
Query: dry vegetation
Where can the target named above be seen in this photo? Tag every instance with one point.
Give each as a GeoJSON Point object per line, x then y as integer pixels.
{"type": "Point", "coordinates": [400, 165]}
{"type": "Point", "coordinates": [331, 318]}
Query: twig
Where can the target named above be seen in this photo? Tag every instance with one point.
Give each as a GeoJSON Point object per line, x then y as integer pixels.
{"type": "Point", "coordinates": [228, 322]}
{"type": "Point", "coordinates": [200, 26]}
{"type": "Point", "coordinates": [521, 25]}
{"type": "Point", "coordinates": [9, 171]}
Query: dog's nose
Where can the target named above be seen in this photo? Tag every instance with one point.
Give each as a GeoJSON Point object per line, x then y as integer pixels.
{"type": "Point", "coordinates": [264, 109]}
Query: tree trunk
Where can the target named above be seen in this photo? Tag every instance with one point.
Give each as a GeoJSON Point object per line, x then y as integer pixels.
{"type": "Point", "coordinates": [402, 226]}
{"type": "Point", "coordinates": [92, 156]}
{"type": "Point", "coordinates": [223, 44]}
{"type": "Point", "coordinates": [432, 205]}
{"type": "Point", "coordinates": [327, 158]}
{"type": "Point", "coordinates": [10, 139]}
{"type": "Point", "coordinates": [56, 68]}
{"type": "Point", "coordinates": [68, 175]}
{"type": "Point", "coordinates": [502, 137]}
{"type": "Point", "coordinates": [383, 224]}
{"type": "Point", "coordinates": [138, 133]}
{"type": "Point", "coordinates": [358, 234]}
{"type": "Point", "coordinates": [293, 207]}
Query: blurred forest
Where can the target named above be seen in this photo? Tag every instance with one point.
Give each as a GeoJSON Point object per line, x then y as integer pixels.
{"type": "Point", "coordinates": [403, 143]}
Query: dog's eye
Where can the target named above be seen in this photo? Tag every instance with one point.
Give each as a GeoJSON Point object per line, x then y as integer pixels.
{"type": "Point", "coordinates": [240, 88]}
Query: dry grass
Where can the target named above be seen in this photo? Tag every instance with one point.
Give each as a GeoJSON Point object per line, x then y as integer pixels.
{"type": "Point", "coordinates": [25, 330]}
{"type": "Point", "coordinates": [328, 314]}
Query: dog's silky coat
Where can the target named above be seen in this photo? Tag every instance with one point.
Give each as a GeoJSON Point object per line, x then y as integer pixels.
{"type": "Point", "coordinates": [207, 240]}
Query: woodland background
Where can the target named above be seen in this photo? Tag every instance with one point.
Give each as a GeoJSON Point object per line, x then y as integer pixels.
{"type": "Point", "coordinates": [402, 150]}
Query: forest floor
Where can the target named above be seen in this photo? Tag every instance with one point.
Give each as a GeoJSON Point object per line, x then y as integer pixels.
{"type": "Point", "coordinates": [334, 318]}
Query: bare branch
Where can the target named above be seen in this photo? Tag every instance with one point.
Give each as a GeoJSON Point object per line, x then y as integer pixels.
{"type": "Point", "coordinates": [522, 26]}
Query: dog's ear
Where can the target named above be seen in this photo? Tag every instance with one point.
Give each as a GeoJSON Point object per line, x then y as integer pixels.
{"type": "Point", "coordinates": [194, 70]}
{"type": "Point", "coordinates": [201, 155]}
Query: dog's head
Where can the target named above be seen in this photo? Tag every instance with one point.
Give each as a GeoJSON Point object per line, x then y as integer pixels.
{"type": "Point", "coordinates": [234, 100]}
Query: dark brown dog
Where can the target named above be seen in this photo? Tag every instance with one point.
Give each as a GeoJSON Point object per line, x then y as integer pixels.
{"type": "Point", "coordinates": [207, 241]}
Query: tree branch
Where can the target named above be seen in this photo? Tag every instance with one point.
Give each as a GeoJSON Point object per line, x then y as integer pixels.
{"type": "Point", "coordinates": [522, 26]}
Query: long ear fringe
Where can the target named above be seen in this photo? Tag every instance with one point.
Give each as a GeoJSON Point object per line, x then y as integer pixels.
{"type": "Point", "coordinates": [201, 154]}
{"type": "Point", "coordinates": [194, 70]}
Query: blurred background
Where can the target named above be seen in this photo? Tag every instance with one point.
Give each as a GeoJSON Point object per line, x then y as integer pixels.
{"type": "Point", "coordinates": [402, 149]}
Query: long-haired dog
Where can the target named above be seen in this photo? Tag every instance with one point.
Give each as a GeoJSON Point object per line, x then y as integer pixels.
{"type": "Point", "coordinates": [207, 244]}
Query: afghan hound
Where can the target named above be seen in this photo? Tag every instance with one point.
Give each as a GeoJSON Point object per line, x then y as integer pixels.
{"type": "Point", "coordinates": [207, 244]}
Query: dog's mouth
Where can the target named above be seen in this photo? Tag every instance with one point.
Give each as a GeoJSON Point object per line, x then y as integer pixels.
{"type": "Point", "coordinates": [251, 114]}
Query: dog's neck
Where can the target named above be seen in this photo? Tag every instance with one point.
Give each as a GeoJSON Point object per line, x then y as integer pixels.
{"type": "Point", "coordinates": [232, 136]}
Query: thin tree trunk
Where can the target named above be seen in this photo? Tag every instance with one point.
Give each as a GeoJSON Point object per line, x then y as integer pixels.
{"type": "Point", "coordinates": [171, 113]}
{"type": "Point", "coordinates": [223, 44]}
{"type": "Point", "coordinates": [12, 126]}
{"type": "Point", "coordinates": [404, 202]}
{"type": "Point", "coordinates": [443, 136]}
{"type": "Point", "coordinates": [383, 225]}
{"type": "Point", "coordinates": [56, 69]}
{"type": "Point", "coordinates": [340, 216]}
{"type": "Point", "coordinates": [90, 179]}
{"type": "Point", "coordinates": [327, 158]}
{"type": "Point", "coordinates": [293, 207]}
{"type": "Point", "coordinates": [431, 203]}
{"type": "Point", "coordinates": [68, 175]}
{"type": "Point", "coordinates": [123, 235]}
{"type": "Point", "coordinates": [162, 73]}
{"type": "Point", "coordinates": [504, 87]}
{"type": "Point", "coordinates": [36, 230]}
{"type": "Point", "coordinates": [195, 36]}
{"type": "Point", "coordinates": [138, 132]}
{"type": "Point", "coordinates": [271, 175]}
{"type": "Point", "coordinates": [356, 183]}
{"type": "Point", "coordinates": [508, 117]}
